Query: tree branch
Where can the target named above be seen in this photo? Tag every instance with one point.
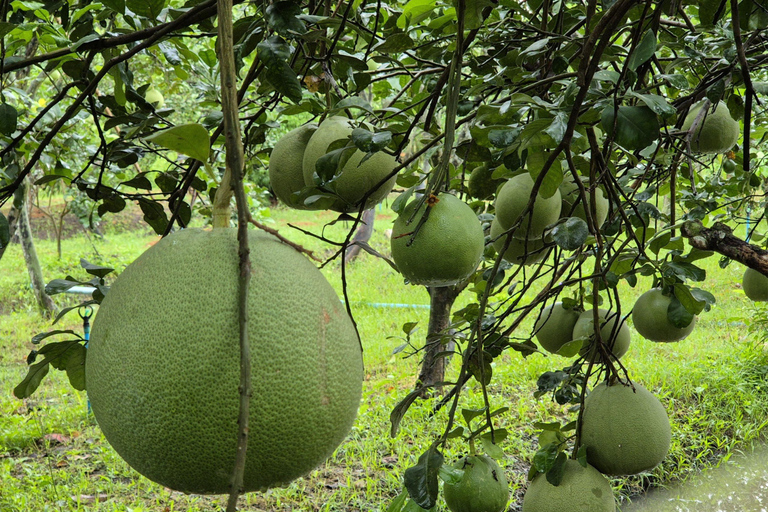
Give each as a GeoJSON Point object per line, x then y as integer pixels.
{"type": "Point", "coordinates": [720, 238]}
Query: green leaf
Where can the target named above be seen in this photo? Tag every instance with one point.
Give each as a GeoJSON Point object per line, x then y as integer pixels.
{"type": "Point", "coordinates": [710, 11]}
{"type": "Point", "coordinates": [545, 457]}
{"type": "Point", "coordinates": [450, 474]}
{"type": "Point", "coordinates": [282, 16]}
{"type": "Point", "coordinates": [370, 142]}
{"type": "Point", "coordinates": [146, 8]}
{"type": "Point", "coordinates": [37, 338]}
{"type": "Point", "coordinates": [571, 234]}
{"type": "Point", "coordinates": [421, 479]}
{"type": "Point", "coordinates": [636, 127]}
{"type": "Point", "coordinates": [643, 51]}
{"type": "Point", "coordinates": [32, 381]}
{"type": "Point", "coordinates": [658, 104]}
{"type": "Point", "coordinates": [283, 78]}
{"type": "Point", "coordinates": [191, 140]}
{"type": "Point", "coordinates": [75, 366]}
{"type": "Point", "coordinates": [60, 286]}
{"type": "Point", "coordinates": [703, 295]}
{"type": "Point", "coordinates": [470, 414]}
{"type": "Point", "coordinates": [5, 231]}
{"type": "Point", "coordinates": [154, 215]}
{"type": "Point", "coordinates": [95, 270]}
{"type": "Point", "coordinates": [353, 102]}
{"type": "Point", "coordinates": [557, 471]}
{"type": "Point", "coordinates": [398, 503]}
{"type": "Point", "coordinates": [56, 355]}
{"type": "Point", "coordinates": [396, 43]}
{"type": "Point", "coordinates": [398, 412]}
{"type": "Point", "coordinates": [414, 12]}
{"type": "Point", "coordinates": [503, 138]}
{"type": "Point", "coordinates": [693, 305]}
{"type": "Point", "coordinates": [8, 119]}
{"type": "Point", "coordinates": [473, 14]}
{"type": "Point", "coordinates": [139, 181]}
{"type": "Point", "coordinates": [678, 315]}
{"type": "Point", "coordinates": [116, 5]}
{"type": "Point", "coordinates": [571, 348]}
{"type": "Point", "coordinates": [273, 50]}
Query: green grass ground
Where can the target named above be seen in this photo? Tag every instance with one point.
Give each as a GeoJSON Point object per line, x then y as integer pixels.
{"type": "Point", "coordinates": [53, 457]}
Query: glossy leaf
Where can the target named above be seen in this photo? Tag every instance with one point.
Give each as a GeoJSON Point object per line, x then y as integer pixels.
{"type": "Point", "coordinates": [191, 140]}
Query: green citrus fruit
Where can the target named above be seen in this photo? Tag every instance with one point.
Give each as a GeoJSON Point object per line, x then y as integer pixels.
{"type": "Point", "coordinates": [356, 178]}
{"type": "Point", "coordinates": [625, 431]}
{"type": "Point", "coordinates": [154, 97]}
{"type": "Point", "coordinates": [163, 366]}
{"type": "Point", "coordinates": [582, 489]}
{"type": "Point", "coordinates": [519, 251]}
{"type": "Point", "coordinates": [481, 184]}
{"type": "Point", "coordinates": [482, 488]}
{"type": "Point", "coordinates": [717, 133]}
{"type": "Point", "coordinates": [616, 338]}
{"type": "Point", "coordinates": [650, 318]}
{"type": "Point", "coordinates": [286, 174]}
{"type": "Point", "coordinates": [569, 191]}
{"type": "Point", "coordinates": [512, 200]}
{"type": "Point", "coordinates": [755, 285]}
{"type": "Point", "coordinates": [554, 326]}
{"type": "Point", "coordinates": [447, 248]}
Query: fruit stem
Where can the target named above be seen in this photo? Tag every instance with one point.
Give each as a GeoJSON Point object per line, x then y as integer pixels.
{"type": "Point", "coordinates": [232, 183]}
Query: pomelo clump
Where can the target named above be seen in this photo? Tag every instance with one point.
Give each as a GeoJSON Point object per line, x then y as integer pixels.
{"type": "Point", "coordinates": [625, 431]}
{"type": "Point", "coordinates": [569, 191]}
{"type": "Point", "coordinates": [582, 489]}
{"type": "Point", "coordinates": [519, 251]}
{"type": "Point", "coordinates": [163, 366]}
{"type": "Point", "coordinates": [554, 326]}
{"type": "Point", "coordinates": [512, 200]}
{"type": "Point", "coordinates": [755, 285]}
{"type": "Point", "coordinates": [718, 131]}
{"type": "Point", "coordinates": [616, 338]}
{"type": "Point", "coordinates": [482, 488]}
{"type": "Point", "coordinates": [650, 318]}
{"type": "Point", "coordinates": [286, 174]}
{"type": "Point", "coordinates": [481, 184]}
{"type": "Point", "coordinates": [355, 178]}
{"type": "Point", "coordinates": [447, 248]}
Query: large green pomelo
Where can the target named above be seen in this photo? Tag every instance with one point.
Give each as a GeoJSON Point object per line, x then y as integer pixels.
{"type": "Point", "coordinates": [755, 285]}
{"type": "Point", "coordinates": [481, 184]}
{"type": "Point", "coordinates": [626, 432]}
{"type": "Point", "coordinates": [569, 191]}
{"type": "Point", "coordinates": [617, 338]}
{"type": "Point", "coordinates": [554, 326]}
{"type": "Point", "coordinates": [286, 174]}
{"type": "Point", "coordinates": [718, 132]}
{"type": "Point", "coordinates": [482, 488]}
{"type": "Point", "coordinates": [650, 318]}
{"type": "Point", "coordinates": [512, 200]}
{"type": "Point", "coordinates": [163, 365]}
{"type": "Point", "coordinates": [448, 247]}
{"type": "Point", "coordinates": [520, 251]}
{"type": "Point", "coordinates": [582, 489]}
{"type": "Point", "coordinates": [355, 179]}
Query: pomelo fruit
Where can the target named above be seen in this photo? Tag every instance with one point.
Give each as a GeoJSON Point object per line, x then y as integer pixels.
{"type": "Point", "coordinates": [356, 178]}
{"type": "Point", "coordinates": [163, 363]}
{"type": "Point", "coordinates": [569, 191]}
{"type": "Point", "coordinates": [626, 432]}
{"type": "Point", "coordinates": [554, 326]}
{"type": "Point", "coordinates": [617, 341]}
{"type": "Point", "coordinates": [481, 184]}
{"type": "Point", "coordinates": [286, 174]}
{"type": "Point", "coordinates": [582, 489]}
{"type": "Point", "coordinates": [717, 133]}
{"type": "Point", "coordinates": [520, 251]}
{"type": "Point", "coordinates": [482, 488]}
{"type": "Point", "coordinates": [650, 318]}
{"type": "Point", "coordinates": [512, 200]}
{"type": "Point", "coordinates": [154, 97]}
{"type": "Point", "coordinates": [448, 247]}
{"type": "Point", "coordinates": [755, 285]}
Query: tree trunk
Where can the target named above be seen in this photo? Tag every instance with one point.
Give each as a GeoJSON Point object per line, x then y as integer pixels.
{"type": "Point", "coordinates": [720, 238]}
{"type": "Point", "coordinates": [435, 353]}
{"type": "Point", "coordinates": [44, 301]}
{"type": "Point", "coordinates": [363, 234]}
{"type": "Point", "coordinates": [13, 217]}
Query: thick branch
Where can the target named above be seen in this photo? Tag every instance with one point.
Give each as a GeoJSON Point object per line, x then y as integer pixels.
{"type": "Point", "coordinates": [720, 238]}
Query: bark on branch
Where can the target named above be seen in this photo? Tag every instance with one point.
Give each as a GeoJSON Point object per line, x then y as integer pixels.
{"type": "Point", "coordinates": [720, 238]}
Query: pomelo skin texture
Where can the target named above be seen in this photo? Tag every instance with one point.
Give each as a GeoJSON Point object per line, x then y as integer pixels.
{"type": "Point", "coordinates": [625, 432]}
{"type": "Point", "coordinates": [483, 488]}
{"type": "Point", "coordinates": [755, 285]}
{"type": "Point", "coordinates": [286, 174]}
{"type": "Point", "coordinates": [583, 489]}
{"type": "Point", "coordinates": [512, 200]}
{"type": "Point", "coordinates": [650, 318]}
{"type": "Point", "coordinates": [569, 191]}
{"type": "Point", "coordinates": [446, 250]}
{"type": "Point", "coordinates": [617, 341]}
{"type": "Point", "coordinates": [355, 179]}
{"type": "Point", "coordinates": [520, 251]}
{"type": "Point", "coordinates": [163, 363]}
{"type": "Point", "coordinates": [717, 133]}
{"type": "Point", "coordinates": [554, 326]}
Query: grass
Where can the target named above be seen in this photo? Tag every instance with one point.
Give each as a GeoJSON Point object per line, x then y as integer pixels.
{"type": "Point", "coordinates": [53, 456]}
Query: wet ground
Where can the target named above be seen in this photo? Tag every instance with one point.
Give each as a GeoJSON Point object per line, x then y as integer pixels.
{"type": "Point", "coordinates": [739, 485]}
